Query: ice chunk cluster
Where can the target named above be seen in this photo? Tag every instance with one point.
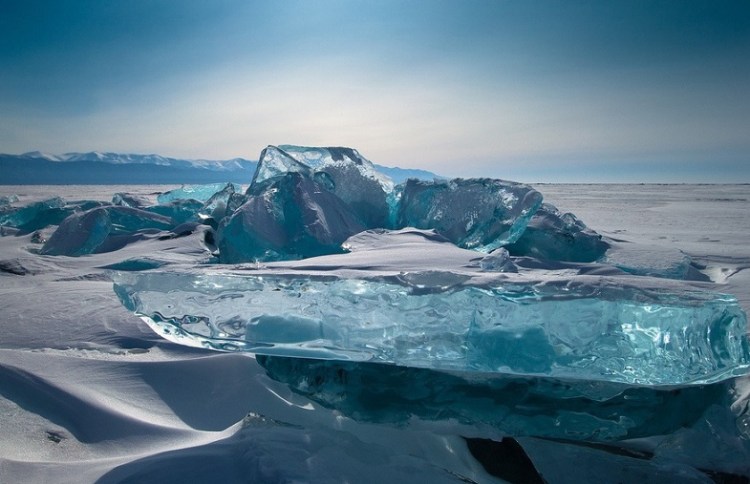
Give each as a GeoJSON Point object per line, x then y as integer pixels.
{"type": "Point", "coordinates": [305, 202]}
{"type": "Point", "coordinates": [402, 298]}
{"type": "Point", "coordinates": [41, 214]}
{"type": "Point", "coordinates": [86, 227]}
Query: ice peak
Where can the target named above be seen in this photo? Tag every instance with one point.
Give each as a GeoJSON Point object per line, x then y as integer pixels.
{"type": "Point", "coordinates": [274, 162]}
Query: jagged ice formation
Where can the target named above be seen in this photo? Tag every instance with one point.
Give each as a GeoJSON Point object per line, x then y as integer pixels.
{"type": "Point", "coordinates": [497, 311]}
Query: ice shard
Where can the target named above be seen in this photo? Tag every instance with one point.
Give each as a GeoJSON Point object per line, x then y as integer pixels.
{"type": "Point", "coordinates": [222, 203]}
{"type": "Point", "coordinates": [50, 209]}
{"type": "Point", "coordinates": [303, 203]}
{"type": "Point", "coordinates": [129, 200]}
{"type": "Point", "coordinates": [6, 201]}
{"type": "Point", "coordinates": [103, 229]}
{"type": "Point", "coordinates": [553, 235]}
{"type": "Point", "coordinates": [195, 192]}
{"type": "Point", "coordinates": [179, 211]}
{"type": "Point", "coordinates": [582, 328]}
{"type": "Point", "coordinates": [291, 217]}
{"type": "Point", "coordinates": [497, 261]}
{"type": "Point", "coordinates": [275, 162]}
{"type": "Point", "coordinates": [650, 260]}
{"type": "Point", "coordinates": [478, 214]}
{"type": "Point", "coordinates": [341, 171]}
{"type": "Point", "coordinates": [42, 214]}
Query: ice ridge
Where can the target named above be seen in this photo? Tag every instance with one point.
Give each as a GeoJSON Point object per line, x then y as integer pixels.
{"type": "Point", "coordinates": [305, 202]}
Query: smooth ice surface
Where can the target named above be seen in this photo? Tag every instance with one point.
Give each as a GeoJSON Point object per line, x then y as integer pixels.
{"type": "Point", "coordinates": [634, 331]}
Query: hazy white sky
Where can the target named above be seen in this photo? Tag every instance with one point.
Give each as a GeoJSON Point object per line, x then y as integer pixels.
{"type": "Point", "coordinates": [527, 90]}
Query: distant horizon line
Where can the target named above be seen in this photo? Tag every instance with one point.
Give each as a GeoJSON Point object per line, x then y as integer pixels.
{"type": "Point", "coordinates": [597, 180]}
{"type": "Point", "coordinates": [248, 183]}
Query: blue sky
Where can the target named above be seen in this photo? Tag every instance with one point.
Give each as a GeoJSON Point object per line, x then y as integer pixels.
{"type": "Point", "coordinates": [630, 91]}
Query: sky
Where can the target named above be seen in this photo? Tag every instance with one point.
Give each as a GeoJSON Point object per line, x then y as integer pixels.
{"type": "Point", "coordinates": [535, 91]}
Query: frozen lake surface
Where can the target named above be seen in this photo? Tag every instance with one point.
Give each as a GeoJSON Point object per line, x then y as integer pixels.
{"type": "Point", "coordinates": [88, 392]}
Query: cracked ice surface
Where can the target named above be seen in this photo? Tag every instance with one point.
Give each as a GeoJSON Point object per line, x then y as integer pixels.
{"type": "Point", "coordinates": [377, 305]}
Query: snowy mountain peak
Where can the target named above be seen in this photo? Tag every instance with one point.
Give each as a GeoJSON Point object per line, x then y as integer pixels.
{"type": "Point", "coordinates": [118, 158]}
{"type": "Point", "coordinates": [143, 159]}
{"type": "Point", "coordinates": [40, 167]}
{"type": "Point", "coordinates": [42, 155]}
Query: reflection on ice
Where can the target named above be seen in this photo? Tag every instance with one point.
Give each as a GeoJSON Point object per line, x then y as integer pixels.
{"type": "Point", "coordinates": [517, 406]}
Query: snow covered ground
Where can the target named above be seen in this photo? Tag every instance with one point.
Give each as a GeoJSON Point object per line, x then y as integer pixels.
{"type": "Point", "coordinates": [89, 393]}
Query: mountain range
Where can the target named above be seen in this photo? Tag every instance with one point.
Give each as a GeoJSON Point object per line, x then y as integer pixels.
{"type": "Point", "coordinates": [98, 168]}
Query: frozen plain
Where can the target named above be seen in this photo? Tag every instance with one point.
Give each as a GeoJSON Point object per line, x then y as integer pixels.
{"type": "Point", "coordinates": [89, 392]}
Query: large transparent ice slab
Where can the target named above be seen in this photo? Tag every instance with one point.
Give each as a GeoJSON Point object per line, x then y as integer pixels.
{"type": "Point", "coordinates": [582, 328]}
